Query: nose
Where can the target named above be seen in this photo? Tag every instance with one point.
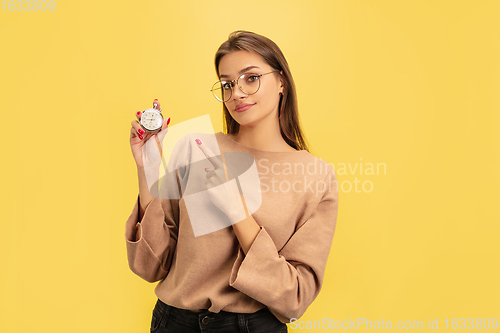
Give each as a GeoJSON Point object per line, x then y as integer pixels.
{"type": "Point", "coordinates": [237, 93]}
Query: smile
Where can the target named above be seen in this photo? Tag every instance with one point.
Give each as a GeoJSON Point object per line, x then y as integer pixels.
{"type": "Point", "coordinates": [246, 107]}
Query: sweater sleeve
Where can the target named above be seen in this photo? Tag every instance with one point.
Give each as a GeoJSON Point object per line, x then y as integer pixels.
{"type": "Point", "coordinates": [151, 242]}
{"type": "Point", "coordinates": [288, 281]}
{"type": "Point", "coordinates": [150, 255]}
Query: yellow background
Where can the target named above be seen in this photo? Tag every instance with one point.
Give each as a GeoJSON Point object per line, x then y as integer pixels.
{"type": "Point", "coordinates": [409, 84]}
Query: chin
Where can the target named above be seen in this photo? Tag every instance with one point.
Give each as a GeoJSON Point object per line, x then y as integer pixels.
{"type": "Point", "coordinates": [248, 122]}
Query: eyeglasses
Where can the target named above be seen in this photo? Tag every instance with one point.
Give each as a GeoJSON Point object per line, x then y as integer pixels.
{"type": "Point", "coordinates": [249, 85]}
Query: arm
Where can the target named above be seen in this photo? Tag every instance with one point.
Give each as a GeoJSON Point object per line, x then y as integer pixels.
{"type": "Point", "coordinates": [151, 230]}
{"type": "Point", "coordinates": [246, 231]}
{"type": "Point", "coordinates": [151, 240]}
{"type": "Point", "coordinates": [144, 194]}
{"type": "Point", "coordinates": [288, 281]}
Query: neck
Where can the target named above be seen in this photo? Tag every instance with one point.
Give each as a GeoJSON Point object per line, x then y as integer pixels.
{"type": "Point", "coordinates": [264, 136]}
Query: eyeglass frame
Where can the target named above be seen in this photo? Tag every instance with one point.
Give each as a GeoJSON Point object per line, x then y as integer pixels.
{"type": "Point", "coordinates": [232, 85]}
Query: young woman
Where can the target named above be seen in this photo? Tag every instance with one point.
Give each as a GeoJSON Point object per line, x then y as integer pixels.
{"type": "Point", "coordinates": [266, 268]}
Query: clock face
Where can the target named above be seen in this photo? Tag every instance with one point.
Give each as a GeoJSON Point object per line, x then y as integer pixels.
{"type": "Point", "coordinates": [151, 119]}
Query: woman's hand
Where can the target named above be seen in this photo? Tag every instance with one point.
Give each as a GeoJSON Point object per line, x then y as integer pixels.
{"type": "Point", "coordinates": [223, 193]}
{"type": "Point", "coordinates": [144, 150]}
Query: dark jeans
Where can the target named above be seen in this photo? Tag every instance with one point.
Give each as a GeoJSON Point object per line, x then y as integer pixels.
{"type": "Point", "coordinates": [169, 319]}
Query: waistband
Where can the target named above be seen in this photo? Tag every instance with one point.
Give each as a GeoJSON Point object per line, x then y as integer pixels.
{"type": "Point", "coordinates": [205, 317]}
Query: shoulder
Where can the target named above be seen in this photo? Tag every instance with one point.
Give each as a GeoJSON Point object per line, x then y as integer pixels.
{"type": "Point", "coordinates": [325, 178]}
{"type": "Point", "coordinates": [323, 167]}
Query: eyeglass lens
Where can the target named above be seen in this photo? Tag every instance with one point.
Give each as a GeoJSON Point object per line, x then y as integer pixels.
{"type": "Point", "coordinates": [248, 83]}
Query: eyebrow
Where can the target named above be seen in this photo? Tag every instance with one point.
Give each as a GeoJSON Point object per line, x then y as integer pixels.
{"type": "Point", "coordinates": [241, 72]}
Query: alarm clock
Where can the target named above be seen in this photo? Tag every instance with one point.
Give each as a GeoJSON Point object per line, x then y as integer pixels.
{"type": "Point", "coordinates": [151, 119]}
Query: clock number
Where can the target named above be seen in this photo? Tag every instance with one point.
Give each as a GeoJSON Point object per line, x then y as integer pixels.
{"type": "Point", "coordinates": [3, 5]}
{"type": "Point", "coordinates": [20, 9]}
{"type": "Point", "coordinates": [12, 5]}
{"type": "Point", "coordinates": [29, 5]}
{"type": "Point", "coordinates": [52, 5]}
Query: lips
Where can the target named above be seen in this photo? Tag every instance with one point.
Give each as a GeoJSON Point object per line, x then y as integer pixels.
{"type": "Point", "coordinates": [243, 106]}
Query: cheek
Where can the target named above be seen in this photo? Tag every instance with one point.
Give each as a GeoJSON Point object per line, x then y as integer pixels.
{"type": "Point", "coordinates": [270, 92]}
{"type": "Point", "coordinates": [269, 98]}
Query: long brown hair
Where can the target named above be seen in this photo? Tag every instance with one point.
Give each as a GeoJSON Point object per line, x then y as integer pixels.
{"type": "Point", "coordinates": [271, 53]}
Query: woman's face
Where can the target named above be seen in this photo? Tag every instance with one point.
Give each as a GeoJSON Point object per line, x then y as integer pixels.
{"type": "Point", "coordinates": [265, 100]}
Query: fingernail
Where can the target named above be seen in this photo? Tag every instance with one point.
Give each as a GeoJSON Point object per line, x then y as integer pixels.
{"type": "Point", "coordinates": [198, 141]}
{"type": "Point", "coordinates": [140, 136]}
{"type": "Point", "coordinates": [156, 100]}
{"type": "Point", "coordinates": [141, 131]}
{"type": "Point", "coordinates": [168, 121]}
{"type": "Point", "coordinates": [207, 169]}
{"type": "Point", "coordinates": [138, 112]}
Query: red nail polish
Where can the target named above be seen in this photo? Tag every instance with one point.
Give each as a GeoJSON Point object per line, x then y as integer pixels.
{"type": "Point", "coordinates": [138, 112]}
{"type": "Point", "coordinates": [140, 136]}
{"type": "Point", "coordinates": [168, 121]}
{"type": "Point", "coordinates": [198, 141]}
{"type": "Point", "coordinates": [141, 131]}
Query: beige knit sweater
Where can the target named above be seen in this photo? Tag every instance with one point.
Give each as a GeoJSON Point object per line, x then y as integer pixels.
{"type": "Point", "coordinates": [283, 268]}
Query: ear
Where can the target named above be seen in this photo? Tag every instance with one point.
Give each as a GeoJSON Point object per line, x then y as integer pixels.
{"type": "Point", "coordinates": [281, 80]}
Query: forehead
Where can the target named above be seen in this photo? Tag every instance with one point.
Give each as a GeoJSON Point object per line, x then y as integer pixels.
{"type": "Point", "coordinates": [233, 62]}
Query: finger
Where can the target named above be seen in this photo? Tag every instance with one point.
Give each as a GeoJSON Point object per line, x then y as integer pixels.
{"type": "Point", "coordinates": [138, 127]}
{"type": "Point", "coordinates": [134, 134]}
{"type": "Point", "coordinates": [209, 155]}
{"type": "Point", "coordinates": [140, 131]}
{"type": "Point", "coordinates": [157, 106]}
{"type": "Point", "coordinates": [164, 129]}
{"type": "Point", "coordinates": [210, 172]}
{"type": "Point", "coordinates": [166, 123]}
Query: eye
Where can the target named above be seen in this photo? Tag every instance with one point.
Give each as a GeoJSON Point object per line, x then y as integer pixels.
{"type": "Point", "coordinates": [252, 78]}
{"type": "Point", "coordinates": [226, 85]}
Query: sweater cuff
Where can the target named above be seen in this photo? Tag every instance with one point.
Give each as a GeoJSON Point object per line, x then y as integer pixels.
{"type": "Point", "coordinates": [245, 274]}
{"type": "Point", "coordinates": [148, 253]}
{"type": "Point", "coordinates": [133, 224]}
